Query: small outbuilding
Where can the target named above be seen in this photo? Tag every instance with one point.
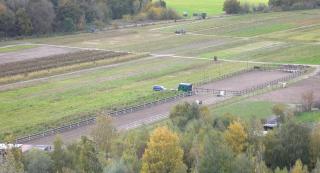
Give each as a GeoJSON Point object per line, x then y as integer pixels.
{"type": "Point", "coordinates": [185, 87]}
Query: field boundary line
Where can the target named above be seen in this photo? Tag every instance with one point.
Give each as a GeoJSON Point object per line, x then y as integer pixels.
{"type": "Point", "coordinates": [291, 29]}
{"type": "Point", "coordinates": [75, 47]}
{"type": "Point", "coordinates": [271, 63]}
{"type": "Point", "coordinates": [230, 60]}
{"type": "Point", "coordinates": [191, 22]}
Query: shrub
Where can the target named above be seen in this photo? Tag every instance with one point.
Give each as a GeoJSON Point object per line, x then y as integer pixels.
{"type": "Point", "coordinates": [127, 17]}
{"type": "Point", "coordinates": [261, 7]}
{"type": "Point", "coordinates": [231, 6]}
{"type": "Point", "coordinates": [317, 104]}
{"type": "Point", "coordinates": [161, 4]}
{"type": "Point", "coordinates": [68, 25]}
{"type": "Point", "coordinates": [277, 5]}
{"type": "Point", "coordinates": [140, 17]}
{"type": "Point", "coordinates": [115, 26]}
{"type": "Point", "coordinates": [99, 24]}
{"type": "Point", "coordinates": [245, 8]}
{"type": "Point", "coordinates": [169, 13]}
{"type": "Point", "coordinates": [154, 13]}
{"type": "Point", "coordinates": [157, 13]}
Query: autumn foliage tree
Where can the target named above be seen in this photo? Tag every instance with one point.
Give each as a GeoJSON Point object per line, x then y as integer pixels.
{"type": "Point", "coordinates": [103, 133]}
{"type": "Point", "coordinates": [236, 136]}
{"type": "Point", "coordinates": [307, 100]}
{"type": "Point", "coordinates": [184, 113]}
{"type": "Point", "coordinates": [314, 148]}
{"type": "Point", "coordinates": [231, 6]}
{"type": "Point", "coordinates": [299, 167]}
{"type": "Point", "coordinates": [163, 153]}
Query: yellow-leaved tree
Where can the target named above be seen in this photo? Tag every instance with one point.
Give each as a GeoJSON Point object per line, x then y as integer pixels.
{"type": "Point", "coordinates": [314, 145]}
{"type": "Point", "coordinates": [163, 153]}
{"type": "Point", "coordinates": [299, 168]}
{"type": "Point", "coordinates": [236, 137]}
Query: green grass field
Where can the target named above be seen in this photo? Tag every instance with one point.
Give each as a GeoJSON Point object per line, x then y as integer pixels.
{"type": "Point", "coordinates": [212, 7]}
{"type": "Point", "coordinates": [15, 48]}
{"type": "Point", "coordinates": [39, 106]}
{"type": "Point", "coordinates": [246, 110]}
{"type": "Point", "coordinates": [308, 117]}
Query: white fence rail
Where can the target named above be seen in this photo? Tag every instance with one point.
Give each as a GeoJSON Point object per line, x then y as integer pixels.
{"type": "Point", "coordinates": [91, 120]}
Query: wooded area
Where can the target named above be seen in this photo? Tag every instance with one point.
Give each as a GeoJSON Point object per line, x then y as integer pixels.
{"type": "Point", "coordinates": [29, 17]}
{"type": "Point", "coordinates": [191, 141]}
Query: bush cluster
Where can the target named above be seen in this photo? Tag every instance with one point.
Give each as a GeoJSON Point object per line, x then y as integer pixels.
{"type": "Point", "coordinates": [35, 17]}
{"type": "Point", "coordinates": [235, 7]}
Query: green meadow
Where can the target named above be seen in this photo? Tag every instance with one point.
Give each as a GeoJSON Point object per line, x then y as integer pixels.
{"type": "Point", "coordinates": [212, 7]}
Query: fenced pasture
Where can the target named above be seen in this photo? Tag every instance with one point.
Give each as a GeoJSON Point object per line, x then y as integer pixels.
{"type": "Point", "coordinates": [245, 83]}
{"type": "Point", "coordinates": [40, 106]}
{"type": "Point", "coordinates": [292, 94]}
{"type": "Point", "coordinates": [137, 114]}
{"type": "Point", "coordinates": [260, 106]}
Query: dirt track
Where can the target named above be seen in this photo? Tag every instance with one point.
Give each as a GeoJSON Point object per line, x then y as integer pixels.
{"type": "Point", "coordinates": [236, 82]}
{"type": "Point", "coordinates": [246, 80]}
{"type": "Point", "coordinates": [37, 52]}
{"type": "Point", "coordinates": [293, 93]}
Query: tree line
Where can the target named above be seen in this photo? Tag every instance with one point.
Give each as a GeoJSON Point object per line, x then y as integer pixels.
{"type": "Point", "coordinates": [235, 7]}
{"type": "Point", "coordinates": [192, 141]}
{"type": "Point", "coordinates": [29, 17]}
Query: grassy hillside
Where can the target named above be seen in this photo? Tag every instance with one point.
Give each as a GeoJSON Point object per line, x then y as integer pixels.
{"type": "Point", "coordinates": [212, 7]}
{"type": "Point", "coordinates": [289, 37]}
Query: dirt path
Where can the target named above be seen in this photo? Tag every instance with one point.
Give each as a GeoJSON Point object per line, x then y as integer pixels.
{"type": "Point", "coordinates": [293, 93]}
{"type": "Point", "coordinates": [38, 52]}
{"type": "Point", "coordinates": [246, 80]}
{"type": "Point", "coordinates": [159, 112]}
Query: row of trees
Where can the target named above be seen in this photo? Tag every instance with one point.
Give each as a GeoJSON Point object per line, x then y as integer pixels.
{"type": "Point", "coordinates": [193, 141]}
{"type": "Point", "coordinates": [26, 17]}
{"type": "Point", "coordinates": [235, 7]}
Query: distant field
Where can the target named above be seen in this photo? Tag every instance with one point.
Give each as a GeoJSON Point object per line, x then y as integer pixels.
{"type": "Point", "coordinates": [212, 7]}
{"type": "Point", "coordinates": [287, 37]}
{"type": "Point", "coordinates": [246, 110]}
